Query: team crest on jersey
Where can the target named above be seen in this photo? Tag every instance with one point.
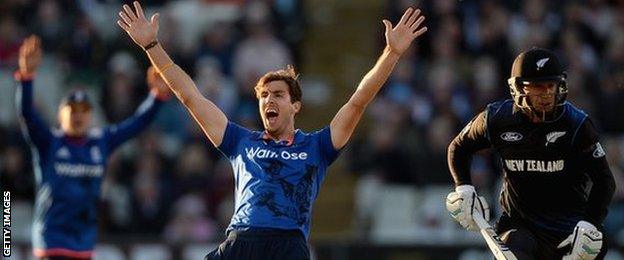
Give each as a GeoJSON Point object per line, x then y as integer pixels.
{"type": "Point", "coordinates": [511, 136]}
{"type": "Point", "coordinates": [63, 153]}
{"type": "Point", "coordinates": [96, 155]}
{"type": "Point", "coordinates": [598, 151]}
{"type": "Point", "coordinates": [553, 136]}
{"type": "Point", "coordinates": [540, 63]}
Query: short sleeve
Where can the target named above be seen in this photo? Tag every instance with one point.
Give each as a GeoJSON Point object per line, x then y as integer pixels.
{"type": "Point", "coordinates": [233, 135]}
{"type": "Point", "coordinates": [326, 147]}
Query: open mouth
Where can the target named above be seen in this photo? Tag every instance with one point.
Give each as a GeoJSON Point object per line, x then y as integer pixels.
{"type": "Point", "coordinates": [271, 115]}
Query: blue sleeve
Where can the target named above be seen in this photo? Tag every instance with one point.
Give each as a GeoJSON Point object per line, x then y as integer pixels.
{"type": "Point", "coordinates": [119, 133]}
{"type": "Point", "coordinates": [33, 127]}
{"type": "Point", "coordinates": [234, 133]}
{"type": "Point", "coordinates": [326, 147]}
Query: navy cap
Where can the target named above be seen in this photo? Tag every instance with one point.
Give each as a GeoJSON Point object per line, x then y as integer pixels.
{"type": "Point", "coordinates": [76, 96]}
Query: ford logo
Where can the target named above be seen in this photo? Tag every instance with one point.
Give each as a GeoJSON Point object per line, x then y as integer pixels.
{"type": "Point", "coordinates": [511, 136]}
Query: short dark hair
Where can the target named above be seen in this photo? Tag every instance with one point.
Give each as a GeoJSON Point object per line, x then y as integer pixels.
{"type": "Point", "coordinates": [287, 75]}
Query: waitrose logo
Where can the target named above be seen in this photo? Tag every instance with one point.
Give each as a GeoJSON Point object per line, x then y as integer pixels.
{"type": "Point", "coordinates": [260, 153]}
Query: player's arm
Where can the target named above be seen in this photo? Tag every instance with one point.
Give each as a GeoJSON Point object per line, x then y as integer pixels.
{"type": "Point", "coordinates": [462, 202]}
{"type": "Point", "coordinates": [398, 39]}
{"type": "Point", "coordinates": [586, 239]}
{"type": "Point", "coordinates": [597, 167]}
{"type": "Point", "coordinates": [29, 58]}
{"type": "Point", "coordinates": [144, 33]}
{"type": "Point", "coordinates": [145, 113]}
{"type": "Point", "coordinates": [469, 141]}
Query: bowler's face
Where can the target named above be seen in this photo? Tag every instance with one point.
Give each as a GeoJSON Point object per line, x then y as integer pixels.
{"type": "Point", "coordinates": [276, 109]}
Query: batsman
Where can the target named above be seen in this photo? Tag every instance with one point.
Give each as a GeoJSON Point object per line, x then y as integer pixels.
{"type": "Point", "coordinates": [557, 184]}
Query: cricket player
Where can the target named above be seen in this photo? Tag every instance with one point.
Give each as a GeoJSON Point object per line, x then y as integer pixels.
{"type": "Point", "coordinates": [557, 183]}
{"type": "Point", "coordinates": [278, 171]}
{"type": "Point", "coordinates": [69, 161]}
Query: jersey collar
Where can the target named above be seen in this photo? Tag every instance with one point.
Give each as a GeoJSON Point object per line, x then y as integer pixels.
{"type": "Point", "coordinates": [265, 136]}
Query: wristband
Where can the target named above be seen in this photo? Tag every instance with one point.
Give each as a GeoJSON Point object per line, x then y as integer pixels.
{"type": "Point", "coordinates": [150, 45]}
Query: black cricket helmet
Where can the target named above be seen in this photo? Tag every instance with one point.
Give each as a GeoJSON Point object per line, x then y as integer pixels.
{"type": "Point", "coordinates": [534, 66]}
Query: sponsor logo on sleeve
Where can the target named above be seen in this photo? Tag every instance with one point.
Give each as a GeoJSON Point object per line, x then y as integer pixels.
{"type": "Point", "coordinates": [598, 151]}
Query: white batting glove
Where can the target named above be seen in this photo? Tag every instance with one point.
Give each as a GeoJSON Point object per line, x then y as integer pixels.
{"type": "Point", "coordinates": [463, 202]}
{"type": "Point", "coordinates": [585, 242]}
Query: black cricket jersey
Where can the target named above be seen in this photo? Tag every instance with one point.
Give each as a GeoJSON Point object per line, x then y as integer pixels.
{"type": "Point", "coordinates": [555, 173]}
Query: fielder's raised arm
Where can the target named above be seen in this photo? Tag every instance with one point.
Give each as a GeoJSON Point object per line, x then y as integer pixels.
{"type": "Point", "coordinates": [398, 39]}
{"type": "Point", "coordinates": [145, 34]}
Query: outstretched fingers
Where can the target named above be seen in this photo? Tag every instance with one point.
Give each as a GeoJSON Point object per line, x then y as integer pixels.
{"type": "Point", "coordinates": [123, 25]}
{"type": "Point", "coordinates": [420, 32]}
{"type": "Point", "coordinates": [124, 17]}
{"type": "Point", "coordinates": [413, 17]}
{"type": "Point", "coordinates": [139, 10]}
{"type": "Point", "coordinates": [418, 22]}
{"type": "Point", "coordinates": [406, 16]}
{"type": "Point", "coordinates": [416, 31]}
{"type": "Point", "coordinates": [130, 13]}
{"type": "Point", "coordinates": [154, 19]}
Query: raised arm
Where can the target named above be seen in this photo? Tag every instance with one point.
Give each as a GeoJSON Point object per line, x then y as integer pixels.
{"type": "Point", "coordinates": [398, 39]}
{"type": "Point", "coordinates": [145, 34]}
{"type": "Point", "coordinates": [35, 129]}
{"type": "Point", "coordinates": [145, 113]}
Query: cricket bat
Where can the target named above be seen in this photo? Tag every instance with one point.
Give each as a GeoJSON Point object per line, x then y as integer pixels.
{"type": "Point", "coordinates": [498, 247]}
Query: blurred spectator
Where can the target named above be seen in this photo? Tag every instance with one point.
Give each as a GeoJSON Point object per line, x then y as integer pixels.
{"type": "Point", "coordinates": [192, 171]}
{"type": "Point", "coordinates": [14, 173]}
{"type": "Point", "coordinates": [260, 51]}
{"type": "Point", "coordinates": [150, 202]}
{"type": "Point", "coordinates": [9, 41]}
{"type": "Point", "coordinates": [189, 222]}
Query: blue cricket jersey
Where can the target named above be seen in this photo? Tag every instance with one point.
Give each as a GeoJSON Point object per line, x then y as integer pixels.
{"type": "Point", "coordinates": [276, 182]}
{"type": "Point", "coordinates": [68, 173]}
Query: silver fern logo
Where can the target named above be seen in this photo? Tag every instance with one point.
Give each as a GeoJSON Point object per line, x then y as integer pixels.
{"type": "Point", "coordinates": [540, 63]}
{"type": "Point", "coordinates": [553, 136]}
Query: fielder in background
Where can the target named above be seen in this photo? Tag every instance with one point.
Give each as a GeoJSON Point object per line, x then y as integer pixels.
{"type": "Point", "coordinates": [69, 161]}
{"type": "Point", "coordinates": [557, 183]}
{"type": "Point", "coordinates": [278, 171]}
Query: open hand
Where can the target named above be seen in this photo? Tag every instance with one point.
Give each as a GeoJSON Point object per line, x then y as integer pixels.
{"type": "Point", "coordinates": [142, 31]}
{"type": "Point", "coordinates": [407, 29]}
{"type": "Point", "coordinates": [29, 55]}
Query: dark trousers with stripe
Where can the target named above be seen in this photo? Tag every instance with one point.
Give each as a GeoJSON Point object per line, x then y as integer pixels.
{"type": "Point", "coordinates": [529, 243]}
{"type": "Point", "coordinates": [265, 244]}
